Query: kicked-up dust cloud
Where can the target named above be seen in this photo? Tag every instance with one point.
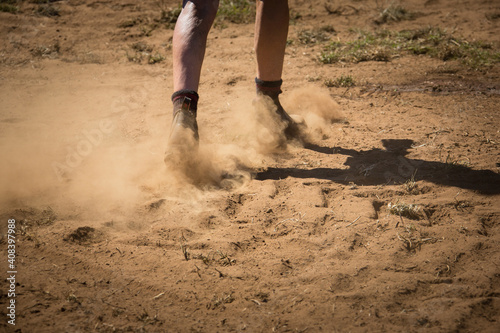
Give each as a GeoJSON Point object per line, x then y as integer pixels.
{"type": "Point", "coordinates": [318, 109]}
{"type": "Point", "coordinates": [89, 156]}
{"type": "Point", "coordinates": [258, 127]}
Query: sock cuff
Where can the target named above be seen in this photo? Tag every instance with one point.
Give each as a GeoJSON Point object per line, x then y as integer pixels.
{"type": "Point", "coordinates": [185, 99]}
{"type": "Point", "coordinates": [269, 88]}
{"type": "Point", "coordinates": [193, 95]}
{"type": "Point", "coordinates": [268, 84]}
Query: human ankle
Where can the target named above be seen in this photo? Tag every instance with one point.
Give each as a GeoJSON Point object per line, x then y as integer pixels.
{"type": "Point", "coordinates": [271, 89]}
{"type": "Point", "coordinates": [185, 99]}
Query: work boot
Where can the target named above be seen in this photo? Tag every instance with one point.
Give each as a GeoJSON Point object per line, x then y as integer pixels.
{"type": "Point", "coordinates": [292, 130]}
{"type": "Point", "coordinates": [183, 123]}
{"type": "Point", "coordinates": [272, 89]}
{"type": "Point", "coordinates": [184, 138]}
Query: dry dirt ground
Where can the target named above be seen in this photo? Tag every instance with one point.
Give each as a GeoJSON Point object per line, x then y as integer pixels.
{"type": "Point", "coordinates": [386, 220]}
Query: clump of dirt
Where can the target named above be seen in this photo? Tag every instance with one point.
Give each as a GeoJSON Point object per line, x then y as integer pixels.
{"type": "Point", "coordinates": [85, 236]}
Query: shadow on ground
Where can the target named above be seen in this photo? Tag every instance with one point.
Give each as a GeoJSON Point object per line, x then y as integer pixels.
{"type": "Point", "coordinates": [391, 166]}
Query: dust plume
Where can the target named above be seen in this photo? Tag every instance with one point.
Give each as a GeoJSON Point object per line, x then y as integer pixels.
{"type": "Point", "coordinates": [97, 170]}
{"type": "Point", "coordinates": [208, 166]}
{"type": "Point", "coordinates": [259, 128]}
{"type": "Point", "coordinates": [100, 185]}
{"type": "Point", "coordinates": [110, 177]}
{"type": "Point", "coordinates": [317, 108]}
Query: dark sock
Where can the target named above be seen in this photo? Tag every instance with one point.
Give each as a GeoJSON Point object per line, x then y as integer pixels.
{"type": "Point", "coordinates": [185, 99]}
{"type": "Point", "coordinates": [269, 88]}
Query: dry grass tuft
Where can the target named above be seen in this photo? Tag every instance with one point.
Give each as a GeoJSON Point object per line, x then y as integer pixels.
{"type": "Point", "coordinates": [344, 81]}
{"type": "Point", "coordinates": [394, 13]}
{"type": "Point", "coordinates": [410, 211]}
{"type": "Point", "coordinates": [235, 11]}
{"type": "Point", "coordinates": [383, 45]}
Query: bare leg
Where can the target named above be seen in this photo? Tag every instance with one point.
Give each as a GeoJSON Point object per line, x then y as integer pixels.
{"type": "Point", "coordinates": [271, 30]}
{"type": "Point", "coordinates": [190, 40]}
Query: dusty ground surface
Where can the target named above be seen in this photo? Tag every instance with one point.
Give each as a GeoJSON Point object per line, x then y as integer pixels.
{"type": "Point", "coordinates": [300, 241]}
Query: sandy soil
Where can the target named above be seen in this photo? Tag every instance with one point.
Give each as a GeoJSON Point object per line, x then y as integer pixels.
{"type": "Point", "coordinates": [297, 241]}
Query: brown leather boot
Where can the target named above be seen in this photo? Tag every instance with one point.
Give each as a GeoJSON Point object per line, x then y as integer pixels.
{"type": "Point", "coordinates": [183, 123]}
{"type": "Point", "coordinates": [183, 140]}
{"type": "Point", "coordinates": [292, 130]}
{"type": "Point", "coordinates": [272, 89]}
